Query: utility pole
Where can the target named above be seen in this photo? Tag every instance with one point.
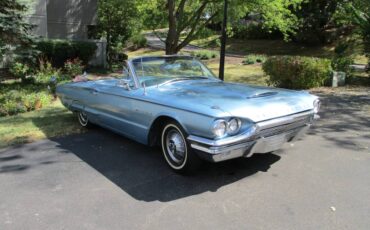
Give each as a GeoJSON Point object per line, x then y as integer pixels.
{"type": "Point", "coordinates": [223, 44]}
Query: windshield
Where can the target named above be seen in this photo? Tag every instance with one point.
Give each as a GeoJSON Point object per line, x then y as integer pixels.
{"type": "Point", "coordinates": [162, 70]}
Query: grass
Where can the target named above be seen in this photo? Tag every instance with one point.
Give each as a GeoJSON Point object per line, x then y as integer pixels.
{"type": "Point", "coordinates": [236, 72]}
{"type": "Point", "coordinates": [361, 60]}
{"type": "Point", "coordinates": [51, 121]}
{"type": "Point", "coordinates": [206, 42]}
{"type": "Point", "coordinates": [144, 52]}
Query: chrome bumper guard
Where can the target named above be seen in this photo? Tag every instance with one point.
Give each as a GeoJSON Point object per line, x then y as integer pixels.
{"type": "Point", "coordinates": [217, 151]}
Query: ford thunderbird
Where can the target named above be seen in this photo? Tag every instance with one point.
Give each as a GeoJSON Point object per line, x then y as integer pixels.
{"type": "Point", "coordinates": [177, 103]}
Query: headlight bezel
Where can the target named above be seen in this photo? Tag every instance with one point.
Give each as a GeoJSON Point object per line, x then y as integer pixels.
{"type": "Point", "coordinates": [217, 126]}
{"type": "Point", "coordinates": [222, 127]}
{"type": "Point", "coordinates": [233, 121]}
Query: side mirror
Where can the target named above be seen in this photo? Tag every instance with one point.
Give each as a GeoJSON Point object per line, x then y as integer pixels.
{"type": "Point", "coordinates": [124, 83]}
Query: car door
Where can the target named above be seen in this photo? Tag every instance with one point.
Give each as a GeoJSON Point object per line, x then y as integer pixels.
{"type": "Point", "coordinates": [116, 104]}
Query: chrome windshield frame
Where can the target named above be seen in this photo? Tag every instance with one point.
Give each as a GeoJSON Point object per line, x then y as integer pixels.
{"type": "Point", "coordinates": [131, 67]}
{"type": "Point", "coordinates": [133, 74]}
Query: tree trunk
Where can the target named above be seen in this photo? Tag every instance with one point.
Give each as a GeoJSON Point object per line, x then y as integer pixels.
{"type": "Point", "coordinates": [172, 38]}
{"type": "Point", "coordinates": [176, 25]}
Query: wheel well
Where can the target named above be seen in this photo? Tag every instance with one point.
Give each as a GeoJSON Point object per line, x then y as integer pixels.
{"type": "Point", "coordinates": [156, 129]}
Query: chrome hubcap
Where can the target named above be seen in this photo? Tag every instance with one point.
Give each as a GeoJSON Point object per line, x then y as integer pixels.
{"type": "Point", "coordinates": [175, 146]}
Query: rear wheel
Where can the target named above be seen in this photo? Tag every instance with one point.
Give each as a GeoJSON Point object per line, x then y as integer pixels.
{"type": "Point", "coordinates": [83, 119]}
{"type": "Point", "coordinates": [176, 150]}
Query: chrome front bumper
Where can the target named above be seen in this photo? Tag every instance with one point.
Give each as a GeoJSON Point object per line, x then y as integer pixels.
{"type": "Point", "coordinates": [222, 150]}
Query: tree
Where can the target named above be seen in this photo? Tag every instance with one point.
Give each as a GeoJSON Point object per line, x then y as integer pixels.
{"type": "Point", "coordinates": [117, 21]}
{"type": "Point", "coordinates": [316, 17]}
{"type": "Point", "coordinates": [361, 18]}
{"type": "Point", "coordinates": [186, 18]}
{"type": "Point", "coordinates": [14, 30]}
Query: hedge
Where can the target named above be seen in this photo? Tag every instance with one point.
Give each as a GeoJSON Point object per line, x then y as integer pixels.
{"type": "Point", "coordinates": [297, 72]}
{"type": "Point", "coordinates": [59, 51]}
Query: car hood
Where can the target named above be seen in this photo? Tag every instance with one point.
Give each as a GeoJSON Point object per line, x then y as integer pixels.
{"type": "Point", "coordinates": [217, 98]}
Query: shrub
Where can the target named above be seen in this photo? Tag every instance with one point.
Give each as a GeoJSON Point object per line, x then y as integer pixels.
{"type": "Point", "coordinates": [138, 41]}
{"type": "Point", "coordinates": [59, 51]}
{"type": "Point", "coordinates": [46, 71]}
{"type": "Point", "coordinates": [73, 67]}
{"type": "Point", "coordinates": [16, 99]}
{"type": "Point", "coordinates": [253, 58]}
{"type": "Point", "coordinates": [248, 60]}
{"type": "Point", "coordinates": [204, 33]}
{"type": "Point", "coordinates": [117, 58]}
{"type": "Point", "coordinates": [297, 72]}
{"type": "Point", "coordinates": [214, 43]}
{"type": "Point", "coordinates": [343, 57]}
{"type": "Point", "coordinates": [343, 64]}
{"type": "Point", "coordinates": [20, 70]}
{"type": "Point", "coordinates": [205, 54]}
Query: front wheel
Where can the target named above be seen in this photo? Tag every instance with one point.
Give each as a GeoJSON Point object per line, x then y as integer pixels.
{"type": "Point", "coordinates": [176, 151]}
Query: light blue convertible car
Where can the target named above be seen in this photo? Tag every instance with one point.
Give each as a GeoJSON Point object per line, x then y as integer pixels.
{"type": "Point", "coordinates": [176, 102]}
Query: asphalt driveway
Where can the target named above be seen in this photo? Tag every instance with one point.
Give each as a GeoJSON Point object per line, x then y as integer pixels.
{"type": "Point", "coordinates": [99, 180]}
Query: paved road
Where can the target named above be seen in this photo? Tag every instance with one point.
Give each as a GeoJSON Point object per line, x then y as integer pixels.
{"type": "Point", "coordinates": [100, 180]}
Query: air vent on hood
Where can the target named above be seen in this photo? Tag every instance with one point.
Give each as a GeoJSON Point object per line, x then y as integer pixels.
{"type": "Point", "coordinates": [266, 94]}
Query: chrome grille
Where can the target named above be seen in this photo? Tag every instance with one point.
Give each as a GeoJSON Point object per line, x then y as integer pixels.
{"type": "Point", "coordinates": [286, 127]}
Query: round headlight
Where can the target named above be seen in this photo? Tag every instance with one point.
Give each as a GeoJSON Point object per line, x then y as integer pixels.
{"type": "Point", "coordinates": [219, 128]}
{"type": "Point", "coordinates": [233, 126]}
{"type": "Point", "coordinates": [316, 106]}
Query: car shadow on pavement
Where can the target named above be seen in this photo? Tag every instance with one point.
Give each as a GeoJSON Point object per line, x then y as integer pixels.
{"type": "Point", "coordinates": [141, 171]}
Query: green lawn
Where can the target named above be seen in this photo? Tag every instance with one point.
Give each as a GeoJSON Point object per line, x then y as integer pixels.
{"type": "Point", "coordinates": [236, 72]}
{"type": "Point", "coordinates": [205, 42]}
{"type": "Point", "coordinates": [47, 122]}
{"type": "Point", "coordinates": [144, 52]}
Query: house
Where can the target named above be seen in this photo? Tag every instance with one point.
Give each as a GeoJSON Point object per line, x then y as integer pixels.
{"type": "Point", "coordinates": [63, 19]}
{"type": "Point", "coordinates": [66, 19]}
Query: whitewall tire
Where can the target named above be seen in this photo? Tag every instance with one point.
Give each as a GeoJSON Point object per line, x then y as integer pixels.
{"type": "Point", "coordinates": [176, 150]}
